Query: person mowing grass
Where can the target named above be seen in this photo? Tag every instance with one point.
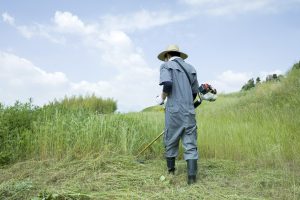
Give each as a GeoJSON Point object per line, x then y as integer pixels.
{"type": "Point", "coordinates": [180, 87]}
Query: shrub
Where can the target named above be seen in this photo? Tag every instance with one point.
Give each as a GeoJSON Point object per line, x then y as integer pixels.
{"type": "Point", "coordinates": [14, 121]}
{"type": "Point", "coordinates": [87, 103]}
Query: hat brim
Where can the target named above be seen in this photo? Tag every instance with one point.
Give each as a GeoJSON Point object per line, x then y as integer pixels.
{"type": "Point", "coordinates": [161, 56]}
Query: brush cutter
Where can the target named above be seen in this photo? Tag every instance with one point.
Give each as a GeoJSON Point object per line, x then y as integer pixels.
{"type": "Point", "coordinates": [142, 151]}
{"type": "Point", "coordinates": [207, 93]}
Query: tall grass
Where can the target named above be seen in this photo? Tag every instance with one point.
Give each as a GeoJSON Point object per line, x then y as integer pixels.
{"type": "Point", "coordinates": [79, 134]}
{"type": "Point", "coordinates": [259, 125]}
{"type": "Point", "coordinates": [23, 127]}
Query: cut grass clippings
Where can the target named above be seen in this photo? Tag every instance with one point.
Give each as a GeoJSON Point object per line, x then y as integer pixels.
{"type": "Point", "coordinates": [121, 177]}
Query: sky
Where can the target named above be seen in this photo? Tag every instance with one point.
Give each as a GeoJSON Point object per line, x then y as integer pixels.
{"type": "Point", "coordinates": [55, 48]}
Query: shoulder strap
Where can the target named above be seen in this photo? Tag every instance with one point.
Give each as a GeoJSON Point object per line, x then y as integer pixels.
{"type": "Point", "coordinates": [184, 71]}
{"type": "Point", "coordinates": [198, 102]}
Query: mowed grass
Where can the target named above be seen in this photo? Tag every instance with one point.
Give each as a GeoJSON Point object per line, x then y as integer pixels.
{"type": "Point", "coordinates": [121, 177]}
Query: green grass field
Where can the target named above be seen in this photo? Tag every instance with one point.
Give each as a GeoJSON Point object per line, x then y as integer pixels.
{"type": "Point", "coordinates": [249, 144]}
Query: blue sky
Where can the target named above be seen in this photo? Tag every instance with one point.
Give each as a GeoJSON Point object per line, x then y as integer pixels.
{"type": "Point", "coordinates": [49, 49]}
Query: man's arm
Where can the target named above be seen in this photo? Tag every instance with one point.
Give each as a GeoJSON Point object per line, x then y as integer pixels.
{"type": "Point", "coordinates": [167, 89]}
{"type": "Point", "coordinates": [166, 81]}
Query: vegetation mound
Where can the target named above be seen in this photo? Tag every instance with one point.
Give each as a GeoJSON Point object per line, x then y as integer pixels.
{"type": "Point", "coordinates": [154, 109]}
{"type": "Point", "coordinates": [87, 103]}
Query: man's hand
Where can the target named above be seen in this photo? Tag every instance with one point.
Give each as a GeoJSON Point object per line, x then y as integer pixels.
{"type": "Point", "coordinates": [159, 100]}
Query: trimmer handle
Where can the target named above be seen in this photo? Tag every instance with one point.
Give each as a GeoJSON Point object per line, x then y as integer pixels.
{"type": "Point", "coordinates": [197, 103]}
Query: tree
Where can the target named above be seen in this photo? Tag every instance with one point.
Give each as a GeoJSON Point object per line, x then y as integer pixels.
{"type": "Point", "coordinates": [250, 84]}
{"type": "Point", "coordinates": [272, 77]}
{"type": "Point", "coordinates": [297, 65]}
{"type": "Point", "coordinates": [257, 80]}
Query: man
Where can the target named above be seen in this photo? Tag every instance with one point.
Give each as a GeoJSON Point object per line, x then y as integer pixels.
{"type": "Point", "coordinates": [180, 86]}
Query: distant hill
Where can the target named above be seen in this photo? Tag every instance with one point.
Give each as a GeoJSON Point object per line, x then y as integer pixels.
{"type": "Point", "coordinates": [154, 109]}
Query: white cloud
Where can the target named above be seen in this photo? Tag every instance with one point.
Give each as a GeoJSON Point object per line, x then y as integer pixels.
{"type": "Point", "coordinates": [233, 77]}
{"type": "Point", "coordinates": [230, 81]}
{"type": "Point", "coordinates": [8, 19]}
{"type": "Point", "coordinates": [115, 44]}
{"type": "Point", "coordinates": [26, 71]}
{"type": "Point", "coordinates": [232, 7]}
{"type": "Point", "coordinates": [263, 74]}
{"type": "Point", "coordinates": [20, 80]}
{"type": "Point", "coordinates": [35, 30]}
{"type": "Point", "coordinates": [133, 84]}
{"type": "Point", "coordinates": [143, 20]}
{"type": "Point", "coordinates": [66, 22]}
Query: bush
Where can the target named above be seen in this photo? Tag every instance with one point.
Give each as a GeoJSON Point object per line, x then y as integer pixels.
{"type": "Point", "coordinates": [14, 121]}
{"type": "Point", "coordinates": [87, 103]}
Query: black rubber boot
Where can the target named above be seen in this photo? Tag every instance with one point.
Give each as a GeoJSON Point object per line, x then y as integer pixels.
{"type": "Point", "coordinates": [192, 171]}
{"type": "Point", "coordinates": [171, 165]}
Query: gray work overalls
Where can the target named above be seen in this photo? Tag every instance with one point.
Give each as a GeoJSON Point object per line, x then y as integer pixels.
{"type": "Point", "coordinates": [180, 122]}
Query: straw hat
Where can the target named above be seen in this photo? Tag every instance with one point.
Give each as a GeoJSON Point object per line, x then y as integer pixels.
{"type": "Point", "coordinates": [174, 48]}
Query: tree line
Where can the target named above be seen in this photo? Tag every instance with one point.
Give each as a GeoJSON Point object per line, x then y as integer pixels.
{"type": "Point", "coordinates": [271, 77]}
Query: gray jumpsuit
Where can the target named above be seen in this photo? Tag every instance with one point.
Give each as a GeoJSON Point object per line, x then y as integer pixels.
{"type": "Point", "coordinates": [180, 122]}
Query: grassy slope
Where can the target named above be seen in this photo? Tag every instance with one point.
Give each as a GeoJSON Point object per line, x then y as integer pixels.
{"type": "Point", "coordinates": [257, 130]}
{"type": "Point", "coordinates": [260, 125]}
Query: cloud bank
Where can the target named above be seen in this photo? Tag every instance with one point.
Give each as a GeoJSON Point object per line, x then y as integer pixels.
{"type": "Point", "coordinates": [134, 84]}
{"type": "Point", "coordinates": [20, 80]}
